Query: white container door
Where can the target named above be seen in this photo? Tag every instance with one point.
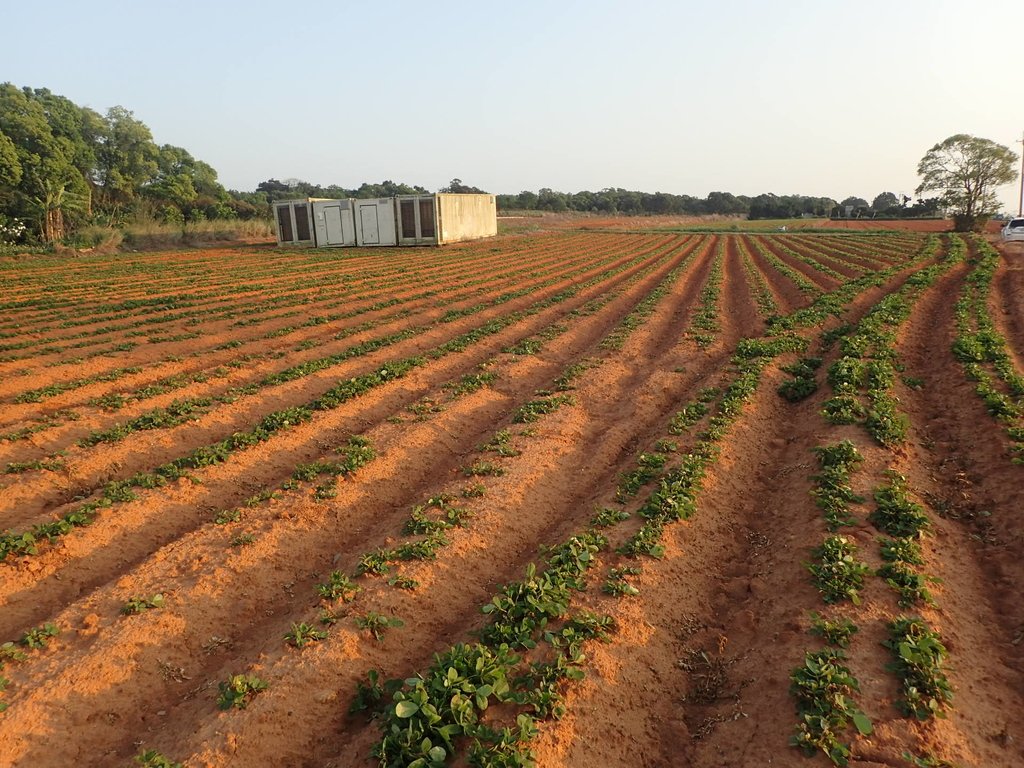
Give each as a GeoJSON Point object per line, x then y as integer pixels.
{"type": "Point", "coordinates": [332, 220]}
{"type": "Point", "coordinates": [332, 223]}
{"type": "Point", "coordinates": [369, 224]}
{"type": "Point", "coordinates": [338, 222]}
{"type": "Point", "coordinates": [375, 222]}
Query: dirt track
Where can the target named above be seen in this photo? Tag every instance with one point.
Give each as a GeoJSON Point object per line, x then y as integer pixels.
{"type": "Point", "coordinates": [625, 329]}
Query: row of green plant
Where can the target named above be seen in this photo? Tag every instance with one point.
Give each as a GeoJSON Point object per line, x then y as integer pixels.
{"type": "Point", "coordinates": [645, 308]}
{"type": "Point", "coordinates": [692, 412]}
{"type": "Point", "coordinates": [762, 292]}
{"type": "Point", "coordinates": [918, 660]}
{"type": "Point", "coordinates": [866, 368]}
{"type": "Point", "coordinates": [529, 647]}
{"type": "Point", "coordinates": [705, 319]}
{"type": "Point", "coordinates": [904, 520]}
{"type": "Point", "coordinates": [982, 349]}
{"type": "Point", "coordinates": [124, 346]}
{"type": "Point", "coordinates": [824, 687]}
{"type": "Point", "coordinates": [50, 464]}
{"type": "Point", "coordinates": [49, 421]}
{"type": "Point", "coordinates": [818, 264]}
{"type": "Point", "coordinates": [58, 387]}
{"type": "Point", "coordinates": [803, 381]}
{"type": "Point", "coordinates": [114, 401]}
{"type": "Point", "coordinates": [832, 491]}
{"type": "Point", "coordinates": [837, 573]}
{"type": "Point", "coordinates": [798, 278]}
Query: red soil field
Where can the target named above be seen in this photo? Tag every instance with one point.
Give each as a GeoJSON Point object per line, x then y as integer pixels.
{"type": "Point", "coordinates": [562, 455]}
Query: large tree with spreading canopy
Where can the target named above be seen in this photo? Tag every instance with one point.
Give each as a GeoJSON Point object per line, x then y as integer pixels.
{"type": "Point", "coordinates": [966, 171]}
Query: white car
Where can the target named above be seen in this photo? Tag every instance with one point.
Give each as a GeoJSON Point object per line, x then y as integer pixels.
{"type": "Point", "coordinates": [1014, 230]}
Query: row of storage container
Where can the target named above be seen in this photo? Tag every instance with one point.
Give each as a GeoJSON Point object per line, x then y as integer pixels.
{"type": "Point", "coordinates": [403, 220]}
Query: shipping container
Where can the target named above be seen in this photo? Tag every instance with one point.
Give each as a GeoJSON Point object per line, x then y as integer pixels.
{"type": "Point", "coordinates": [445, 218]}
{"type": "Point", "coordinates": [402, 220]}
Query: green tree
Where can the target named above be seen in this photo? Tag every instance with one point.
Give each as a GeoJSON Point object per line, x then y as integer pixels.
{"type": "Point", "coordinates": [724, 202]}
{"type": "Point", "coordinates": [49, 184]}
{"type": "Point", "coordinates": [526, 200]}
{"type": "Point", "coordinates": [549, 200]}
{"type": "Point", "coordinates": [884, 202]}
{"type": "Point", "coordinates": [184, 182]}
{"type": "Point", "coordinates": [456, 186]}
{"type": "Point", "coordinates": [856, 202]}
{"type": "Point", "coordinates": [10, 167]}
{"type": "Point", "coordinates": [81, 129]}
{"type": "Point", "coordinates": [127, 160]}
{"type": "Point", "coordinates": [966, 170]}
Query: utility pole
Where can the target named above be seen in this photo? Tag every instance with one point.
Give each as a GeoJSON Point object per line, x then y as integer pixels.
{"type": "Point", "coordinates": [1020, 205]}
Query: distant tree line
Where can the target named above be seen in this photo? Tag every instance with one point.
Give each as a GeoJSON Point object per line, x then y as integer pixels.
{"type": "Point", "coordinates": [765, 206]}
{"type": "Point", "coordinates": [631, 202]}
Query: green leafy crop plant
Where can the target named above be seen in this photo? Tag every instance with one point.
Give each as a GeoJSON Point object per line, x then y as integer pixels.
{"type": "Point", "coordinates": [919, 656]}
{"type": "Point", "coordinates": [39, 637]}
{"type": "Point", "coordinates": [836, 632]}
{"type": "Point", "coordinates": [239, 690]}
{"type": "Point", "coordinates": [804, 381]}
{"type": "Point", "coordinates": [838, 575]}
{"type": "Point", "coordinates": [823, 687]}
{"type": "Point", "coordinates": [150, 758]}
{"type": "Point", "coordinates": [338, 587]}
{"type": "Point", "coordinates": [896, 513]}
{"type": "Point", "coordinates": [302, 634]}
{"type": "Point", "coordinates": [137, 605]}
{"type": "Point", "coordinates": [377, 624]}
{"type": "Point", "coordinates": [616, 584]}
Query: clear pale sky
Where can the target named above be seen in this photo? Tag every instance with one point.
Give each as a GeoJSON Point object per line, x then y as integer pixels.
{"type": "Point", "coordinates": [791, 97]}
